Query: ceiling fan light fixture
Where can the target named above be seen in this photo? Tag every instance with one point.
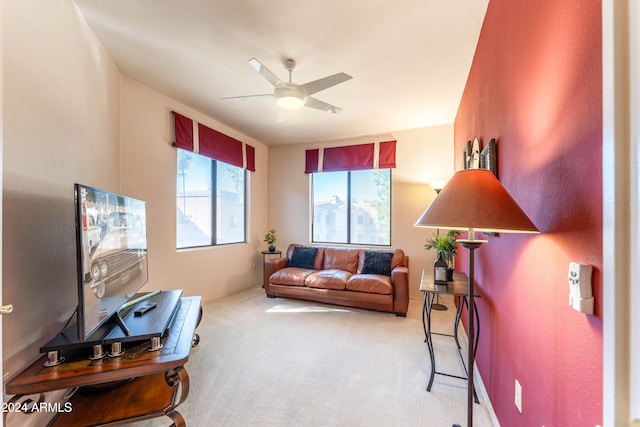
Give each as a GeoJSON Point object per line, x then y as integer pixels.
{"type": "Point", "coordinates": [290, 102]}
{"type": "Point", "coordinates": [290, 98]}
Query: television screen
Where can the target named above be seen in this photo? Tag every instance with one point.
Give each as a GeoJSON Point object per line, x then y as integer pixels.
{"type": "Point", "coordinates": [111, 242]}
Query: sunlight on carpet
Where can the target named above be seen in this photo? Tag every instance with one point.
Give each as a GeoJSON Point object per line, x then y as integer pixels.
{"type": "Point", "coordinates": [294, 308]}
{"type": "Point", "coordinates": [320, 365]}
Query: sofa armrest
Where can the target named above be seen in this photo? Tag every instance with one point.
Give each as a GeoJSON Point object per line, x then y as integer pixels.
{"type": "Point", "coordinates": [400, 280]}
{"type": "Point", "coordinates": [272, 265]}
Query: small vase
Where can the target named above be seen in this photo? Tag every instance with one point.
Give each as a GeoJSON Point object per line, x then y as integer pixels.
{"type": "Point", "coordinates": [272, 248]}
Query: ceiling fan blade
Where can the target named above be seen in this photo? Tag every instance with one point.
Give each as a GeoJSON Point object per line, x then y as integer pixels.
{"type": "Point", "coordinates": [242, 98]}
{"type": "Point", "coordinates": [273, 79]}
{"type": "Point", "coordinates": [321, 105]}
{"type": "Point", "coordinates": [324, 83]}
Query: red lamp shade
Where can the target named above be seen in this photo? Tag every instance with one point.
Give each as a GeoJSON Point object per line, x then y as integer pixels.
{"type": "Point", "coordinates": [475, 200]}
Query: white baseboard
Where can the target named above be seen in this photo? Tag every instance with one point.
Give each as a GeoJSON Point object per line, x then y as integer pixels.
{"type": "Point", "coordinates": [480, 388]}
{"type": "Point", "coordinates": [484, 396]}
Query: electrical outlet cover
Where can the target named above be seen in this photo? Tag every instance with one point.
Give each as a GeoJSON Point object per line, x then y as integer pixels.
{"type": "Point", "coordinates": [518, 396]}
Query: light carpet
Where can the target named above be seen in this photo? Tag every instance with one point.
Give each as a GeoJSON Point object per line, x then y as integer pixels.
{"type": "Point", "coordinates": [283, 362]}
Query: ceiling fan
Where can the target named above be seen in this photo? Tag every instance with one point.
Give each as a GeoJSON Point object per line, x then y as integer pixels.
{"type": "Point", "coordinates": [292, 96]}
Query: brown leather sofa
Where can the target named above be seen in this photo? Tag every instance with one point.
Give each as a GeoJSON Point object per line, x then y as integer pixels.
{"type": "Point", "coordinates": [375, 279]}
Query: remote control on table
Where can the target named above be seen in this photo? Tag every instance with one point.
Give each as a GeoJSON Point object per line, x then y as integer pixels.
{"type": "Point", "coordinates": [142, 310]}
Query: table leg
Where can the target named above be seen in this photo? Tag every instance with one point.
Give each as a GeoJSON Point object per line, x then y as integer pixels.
{"type": "Point", "coordinates": [177, 418]}
{"type": "Point", "coordinates": [173, 377]}
{"type": "Point", "coordinates": [457, 321]}
{"type": "Point", "coordinates": [424, 312]}
{"type": "Point", "coordinates": [430, 342]}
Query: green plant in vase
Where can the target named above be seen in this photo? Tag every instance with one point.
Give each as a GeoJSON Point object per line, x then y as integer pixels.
{"type": "Point", "coordinates": [270, 238]}
{"type": "Point", "coordinates": [445, 246]}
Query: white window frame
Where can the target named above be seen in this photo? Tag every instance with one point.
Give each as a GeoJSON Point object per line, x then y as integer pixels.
{"type": "Point", "coordinates": [349, 229]}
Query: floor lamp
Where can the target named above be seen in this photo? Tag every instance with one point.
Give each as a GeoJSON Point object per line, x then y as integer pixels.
{"type": "Point", "coordinates": [474, 200]}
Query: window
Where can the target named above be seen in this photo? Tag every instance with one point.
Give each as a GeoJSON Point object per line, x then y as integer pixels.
{"type": "Point", "coordinates": [210, 202]}
{"type": "Point", "coordinates": [352, 207]}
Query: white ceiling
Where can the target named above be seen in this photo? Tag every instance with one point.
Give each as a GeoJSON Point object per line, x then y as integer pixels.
{"type": "Point", "coordinates": [409, 59]}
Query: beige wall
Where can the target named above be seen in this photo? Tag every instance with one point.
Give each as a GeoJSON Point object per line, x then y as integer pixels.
{"type": "Point", "coordinates": [69, 116]}
{"type": "Point", "coordinates": [422, 155]}
{"type": "Point", "coordinates": [148, 171]}
{"type": "Point", "coordinates": [61, 113]}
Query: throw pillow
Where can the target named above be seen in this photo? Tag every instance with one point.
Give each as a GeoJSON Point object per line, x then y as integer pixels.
{"type": "Point", "coordinates": [303, 257]}
{"type": "Point", "coordinates": [377, 263]}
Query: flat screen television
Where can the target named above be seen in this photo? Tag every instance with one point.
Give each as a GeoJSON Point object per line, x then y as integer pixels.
{"type": "Point", "coordinates": [111, 246]}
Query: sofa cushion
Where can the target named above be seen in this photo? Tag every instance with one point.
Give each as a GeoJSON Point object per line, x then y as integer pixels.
{"type": "Point", "coordinates": [291, 276]}
{"type": "Point", "coordinates": [345, 259]}
{"type": "Point", "coordinates": [376, 262]}
{"type": "Point", "coordinates": [328, 279]}
{"type": "Point", "coordinates": [370, 283]}
{"type": "Point", "coordinates": [303, 257]}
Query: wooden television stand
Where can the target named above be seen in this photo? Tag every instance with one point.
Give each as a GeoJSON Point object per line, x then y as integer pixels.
{"type": "Point", "coordinates": [155, 382]}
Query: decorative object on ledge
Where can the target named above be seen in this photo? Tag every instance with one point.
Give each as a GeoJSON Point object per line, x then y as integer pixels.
{"type": "Point", "coordinates": [474, 158]}
{"type": "Point", "coordinates": [474, 161]}
{"type": "Point", "coordinates": [489, 161]}
{"type": "Point", "coordinates": [488, 157]}
{"type": "Point", "coordinates": [474, 200]}
{"type": "Point", "coordinates": [270, 238]}
{"type": "Point", "coordinates": [466, 155]}
{"type": "Point", "coordinates": [485, 159]}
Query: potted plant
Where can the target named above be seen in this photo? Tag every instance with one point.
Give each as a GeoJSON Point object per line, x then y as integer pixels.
{"type": "Point", "coordinates": [271, 238]}
{"type": "Point", "coordinates": [445, 246]}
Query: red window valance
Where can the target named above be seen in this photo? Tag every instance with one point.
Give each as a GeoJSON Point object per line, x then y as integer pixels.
{"type": "Point", "coordinates": [379, 155]}
{"type": "Point", "coordinates": [200, 139]}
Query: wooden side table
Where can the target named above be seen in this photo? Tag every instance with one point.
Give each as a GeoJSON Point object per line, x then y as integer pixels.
{"type": "Point", "coordinates": [264, 258]}
{"type": "Point", "coordinates": [158, 381]}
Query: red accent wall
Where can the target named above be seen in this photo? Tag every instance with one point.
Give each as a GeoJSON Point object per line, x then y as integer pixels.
{"type": "Point", "coordinates": [536, 85]}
